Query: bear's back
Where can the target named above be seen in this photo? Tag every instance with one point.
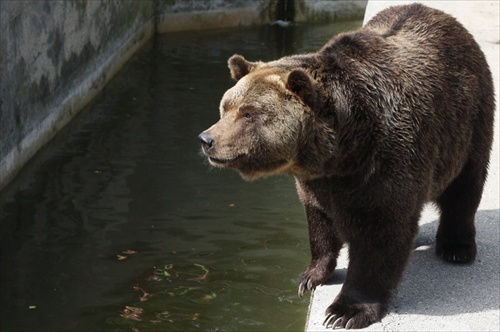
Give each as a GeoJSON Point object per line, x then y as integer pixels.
{"type": "Point", "coordinates": [427, 37]}
{"type": "Point", "coordinates": [421, 78]}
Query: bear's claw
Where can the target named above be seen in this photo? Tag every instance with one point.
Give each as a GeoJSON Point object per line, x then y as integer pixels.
{"type": "Point", "coordinates": [317, 273]}
{"type": "Point", "coordinates": [352, 316]}
{"type": "Point", "coordinates": [457, 253]}
{"type": "Point", "coordinates": [305, 286]}
{"type": "Point", "coordinates": [333, 321]}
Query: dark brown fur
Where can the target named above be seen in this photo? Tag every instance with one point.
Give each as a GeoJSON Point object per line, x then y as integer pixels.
{"type": "Point", "coordinates": [374, 125]}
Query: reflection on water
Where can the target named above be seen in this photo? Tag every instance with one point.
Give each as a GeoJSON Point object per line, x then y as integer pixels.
{"type": "Point", "coordinates": [119, 224]}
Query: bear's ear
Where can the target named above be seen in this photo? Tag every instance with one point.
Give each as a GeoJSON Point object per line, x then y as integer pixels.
{"type": "Point", "coordinates": [300, 83]}
{"type": "Point", "coordinates": [239, 67]}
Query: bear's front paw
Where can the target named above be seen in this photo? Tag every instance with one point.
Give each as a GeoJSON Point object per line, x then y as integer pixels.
{"type": "Point", "coordinates": [352, 315]}
{"type": "Point", "coordinates": [316, 274]}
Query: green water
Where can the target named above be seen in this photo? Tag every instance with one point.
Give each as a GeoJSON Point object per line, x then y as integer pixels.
{"type": "Point", "coordinates": [120, 225]}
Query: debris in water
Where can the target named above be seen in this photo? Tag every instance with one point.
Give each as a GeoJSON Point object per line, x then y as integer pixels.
{"type": "Point", "coordinates": [145, 295]}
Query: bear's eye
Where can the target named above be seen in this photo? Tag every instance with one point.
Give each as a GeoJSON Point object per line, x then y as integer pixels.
{"type": "Point", "coordinates": [246, 113]}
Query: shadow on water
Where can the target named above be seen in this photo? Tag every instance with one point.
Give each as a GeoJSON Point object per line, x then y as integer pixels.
{"type": "Point", "coordinates": [119, 225]}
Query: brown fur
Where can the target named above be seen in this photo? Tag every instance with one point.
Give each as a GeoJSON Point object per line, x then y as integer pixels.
{"type": "Point", "coordinates": [372, 126]}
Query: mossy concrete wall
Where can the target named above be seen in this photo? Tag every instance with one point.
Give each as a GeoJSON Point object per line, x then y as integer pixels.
{"type": "Point", "coordinates": [56, 55]}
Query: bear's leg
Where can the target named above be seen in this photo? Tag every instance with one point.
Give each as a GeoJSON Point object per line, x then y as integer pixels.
{"type": "Point", "coordinates": [455, 239]}
{"type": "Point", "coordinates": [325, 246]}
{"type": "Point", "coordinates": [376, 264]}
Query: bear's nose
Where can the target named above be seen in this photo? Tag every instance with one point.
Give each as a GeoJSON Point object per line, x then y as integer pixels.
{"type": "Point", "coordinates": [206, 140]}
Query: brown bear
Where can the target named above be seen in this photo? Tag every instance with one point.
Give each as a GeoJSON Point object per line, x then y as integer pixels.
{"type": "Point", "coordinates": [372, 126]}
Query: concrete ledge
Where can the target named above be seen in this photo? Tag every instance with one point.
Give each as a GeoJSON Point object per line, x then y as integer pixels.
{"type": "Point", "coordinates": [434, 295]}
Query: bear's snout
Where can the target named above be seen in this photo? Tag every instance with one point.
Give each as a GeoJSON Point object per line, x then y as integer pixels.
{"type": "Point", "coordinates": [206, 140]}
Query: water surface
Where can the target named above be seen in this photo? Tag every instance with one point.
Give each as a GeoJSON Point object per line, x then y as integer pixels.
{"type": "Point", "coordinates": [120, 225]}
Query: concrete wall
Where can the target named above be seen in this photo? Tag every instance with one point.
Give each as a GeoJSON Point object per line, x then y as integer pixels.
{"type": "Point", "coordinates": [55, 56]}
{"type": "Point", "coordinates": [177, 15]}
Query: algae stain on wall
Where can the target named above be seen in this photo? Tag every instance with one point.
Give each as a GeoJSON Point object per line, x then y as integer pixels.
{"type": "Point", "coordinates": [51, 55]}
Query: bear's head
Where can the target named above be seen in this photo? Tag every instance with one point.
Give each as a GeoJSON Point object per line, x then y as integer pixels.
{"type": "Point", "coordinates": [262, 120]}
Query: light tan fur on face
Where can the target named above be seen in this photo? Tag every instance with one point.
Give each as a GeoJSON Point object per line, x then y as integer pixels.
{"type": "Point", "coordinates": [259, 127]}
